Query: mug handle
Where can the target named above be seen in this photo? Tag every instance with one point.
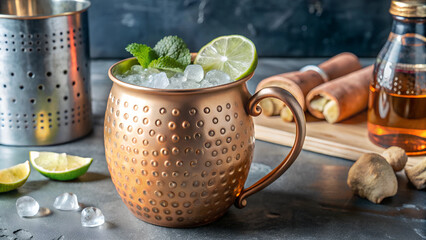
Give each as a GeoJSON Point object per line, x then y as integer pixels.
{"type": "Point", "coordinates": [254, 109]}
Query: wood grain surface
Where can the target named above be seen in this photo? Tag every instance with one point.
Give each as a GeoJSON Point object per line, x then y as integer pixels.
{"type": "Point", "coordinates": [347, 139]}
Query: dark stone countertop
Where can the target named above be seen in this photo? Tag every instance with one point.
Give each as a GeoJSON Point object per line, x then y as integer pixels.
{"type": "Point", "coordinates": [310, 201]}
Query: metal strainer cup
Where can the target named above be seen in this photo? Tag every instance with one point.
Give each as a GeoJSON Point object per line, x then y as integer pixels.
{"type": "Point", "coordinates": [180, 158]}
{"type": "Point", "coordinates": [44, 71]}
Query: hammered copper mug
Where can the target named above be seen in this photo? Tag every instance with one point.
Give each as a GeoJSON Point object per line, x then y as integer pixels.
{"type": "Point", "coordinates": [180, 158]}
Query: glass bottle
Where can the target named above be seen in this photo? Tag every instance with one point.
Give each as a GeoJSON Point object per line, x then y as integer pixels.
{"type": "Point", "coordinates": [397, 101]}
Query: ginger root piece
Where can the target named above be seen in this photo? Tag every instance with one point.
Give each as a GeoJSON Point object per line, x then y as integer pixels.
{"type": "Point", "coordinates": [300, 83]}
{"type": "Point", "coordinates": [267, 107]}
{"type": "Point", "coordinates": [278, 105]}
{"type": "Point", "coordinates": [372, 177]}
{"type": "Point", "coordinates": [319, 102]}
{"type": "Point", "coordinates": [327, 106]}
{"type": "Point", "coordinates": [396, 157]}
{"type": "Point", "coordinates": [341, 98]}
{"type": "Point", "coordinates": [286, 115]}
{"type": "Point", "coordinates": [271, 106]}
{"type": "Point", "coordinates": [331, 111]}
{"type": "Point", "coordinates": [417, 174]}
{"type": "Point", "coordinates": [279, 81]}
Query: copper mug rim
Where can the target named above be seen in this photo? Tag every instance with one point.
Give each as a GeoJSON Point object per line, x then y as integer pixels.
{"type": "Point", "coordinates": [171, 91]}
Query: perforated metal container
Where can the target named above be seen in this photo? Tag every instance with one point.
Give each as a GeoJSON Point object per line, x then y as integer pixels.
{"type": "Point", "coordinates": [44, 71]}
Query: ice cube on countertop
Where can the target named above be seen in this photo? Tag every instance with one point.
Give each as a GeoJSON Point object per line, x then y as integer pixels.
{"type": "Point", "coordinates": [92, 217]}
{"type": "Point", "coordinates": [27, 206]}
{"type": "Point", "coordinates": [67, 202]}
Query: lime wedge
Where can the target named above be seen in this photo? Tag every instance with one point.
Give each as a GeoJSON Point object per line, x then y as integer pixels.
{"type": "Point", "coordinates": [59, 166]}
{"type": "Point", "coordinates": [14, 177]}
{"type": "Point", "coordinates": [235, 55]}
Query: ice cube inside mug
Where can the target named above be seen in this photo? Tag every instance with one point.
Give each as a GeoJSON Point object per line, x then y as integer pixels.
{"type": "Point", "coordinates": [193, 77]}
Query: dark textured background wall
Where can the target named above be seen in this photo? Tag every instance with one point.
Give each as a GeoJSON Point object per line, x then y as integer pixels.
{"type": "Point", "coordinates": [290, 28]}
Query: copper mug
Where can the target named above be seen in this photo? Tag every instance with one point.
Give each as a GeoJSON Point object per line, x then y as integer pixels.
{"type": "Point", "coordinates": [180, 158]}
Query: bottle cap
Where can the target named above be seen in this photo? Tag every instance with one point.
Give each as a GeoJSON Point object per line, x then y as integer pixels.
{"type": "Point", "coordinates": [408, 8]}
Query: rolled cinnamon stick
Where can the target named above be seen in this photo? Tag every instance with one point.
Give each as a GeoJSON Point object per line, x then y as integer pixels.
{"type": "Point", "coordinates": [341, 98]}
{"type": "Point", "coordinates": [299, 83]}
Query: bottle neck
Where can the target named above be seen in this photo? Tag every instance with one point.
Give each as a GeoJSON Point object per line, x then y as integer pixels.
{"type": "Point", "coordinates": [402, 25]}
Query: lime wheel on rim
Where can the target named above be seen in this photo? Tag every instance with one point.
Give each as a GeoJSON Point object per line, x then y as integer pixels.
{"type": "Point", "coordinates": [234, 54]}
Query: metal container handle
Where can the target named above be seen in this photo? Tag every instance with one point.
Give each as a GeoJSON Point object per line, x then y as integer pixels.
{"type": "Point", "coordinates": [254, 109]}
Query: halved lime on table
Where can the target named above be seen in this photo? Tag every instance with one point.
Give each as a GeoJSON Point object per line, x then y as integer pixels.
{"type": "Point", "coordinates": [14, 177]}
{"type": "Point", "coordinates": [59, 166]}
{"type": "Point", "coordinates": [235, 55]}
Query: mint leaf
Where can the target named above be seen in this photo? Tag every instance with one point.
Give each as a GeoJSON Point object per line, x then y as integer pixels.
{"type": "Point", "coordinates": [167, 63]}
{"type": "Point", "coordinates": [173, 47]}
{"type": "Point", "coordinates": [143, 53]}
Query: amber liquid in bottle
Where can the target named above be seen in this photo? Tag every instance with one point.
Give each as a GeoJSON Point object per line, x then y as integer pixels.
{"type": "Point", "coordinates": [397, 114]}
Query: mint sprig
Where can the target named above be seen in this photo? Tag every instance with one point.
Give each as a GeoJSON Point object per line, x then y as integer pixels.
{"type": "Point", "coordinates": [143, 53]}
{"type": "Point", "coordinates": [167, 63]}
{"type": "Point", "coordinates": [169, 54]}
{"type": "Point", "coordinates": [174, 47]}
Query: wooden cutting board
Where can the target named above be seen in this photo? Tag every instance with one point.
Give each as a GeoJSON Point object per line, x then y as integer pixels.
{"type": "Point", "coordinates": [347, 139]}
